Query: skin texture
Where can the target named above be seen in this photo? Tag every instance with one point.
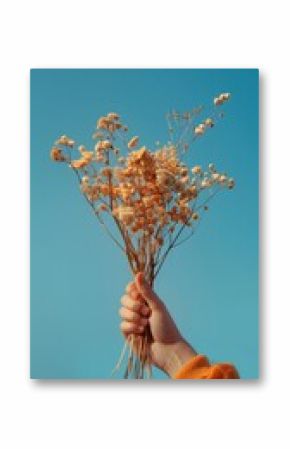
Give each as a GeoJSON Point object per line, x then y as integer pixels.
{"type": "Point", "coordinates": [141, 306]}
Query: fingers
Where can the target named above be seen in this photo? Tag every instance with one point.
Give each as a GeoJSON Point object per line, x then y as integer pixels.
{"type": "Point", "coordinates": [128, 327]}
{"type": "Point", "coordinates": [146, 291]}
{"type": "Point", "coordinates": [135, 305]}
{"type": "Point", "coordinates": [134, 312]}
{"type": "Point", "coordinates": [131, 288]}
{"type": "Point", "coordinates": [129, 315]}
{"type": "Point", "coordinates": [132, 291]}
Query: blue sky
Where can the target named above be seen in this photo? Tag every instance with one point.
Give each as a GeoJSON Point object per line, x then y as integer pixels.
{"type": "Point", "coordinates": [210, 284]}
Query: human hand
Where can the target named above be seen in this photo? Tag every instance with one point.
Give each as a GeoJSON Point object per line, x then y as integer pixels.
{"type": "Point", "coordinates": [141, 307]}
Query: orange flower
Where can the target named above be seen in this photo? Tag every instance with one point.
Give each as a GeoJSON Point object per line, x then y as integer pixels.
{"type": "Point", "coordinates": [133, 142]}
{"type": "Point", "coordinates": [104, 189]}
{"type": "Point", "coordinates": [103, 123]}
{"type": "Point", "coordinates": [87, 156]}
{"type": "Point", "coordinates": [113, 116]}
{"type": "Point", "coordinates": [125, 214]}
{"type": "Point", "coordinates": [103, 207]}
{"type": "Point", "coordinates": [200, 129]}
{"type": "Point", "coordinates": [196, 170]}
{"type": "Point", "coordinates": [80, 163]}
{"type": "Point", "coordinates": [106, 171]}
{"type": "Point", "coordinates": [103, 145]}
{"type": "Point", "coordinates": [57, 155]}
{"type": "Point", "coordinates": [66, 141]}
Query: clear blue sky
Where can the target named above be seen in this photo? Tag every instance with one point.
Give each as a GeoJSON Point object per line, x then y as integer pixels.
{"type": "Point", "coordinates": [210, 284]}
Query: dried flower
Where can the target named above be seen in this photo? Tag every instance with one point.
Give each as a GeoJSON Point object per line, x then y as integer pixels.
{"type": "Point", "coordinates": [200, 129]}
{"type": "Point", "coordinates": [215, 177]}
{"type": "Point", "coordinates": [125, 214]}
{"type": "Point", "coordinates": [66, 141]}
{"type": "Point", "coordinates": [80, 163]}
{"type": "Point", "coordinates": [221, 98]}
{"type": "Point", "coordinates": [209, 122]}
{"type": "Point", "coordinates": [133, 142]}
{"type": "Point", "coordinates": [103, 123]}
{"type": "Point", "coordinates": [87, 156]}
{"type": "Point", "coordinates": [196, 170]}
{"type": "Point", "coordinates": [57, 155]}
{"type": "Point", "coordinates": [113, 116]}
{"type": "Point", "coordinates": [82, 148]}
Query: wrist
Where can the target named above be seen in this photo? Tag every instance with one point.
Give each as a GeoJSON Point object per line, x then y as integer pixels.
{"type": "Point", "coordinates": [179, 354]}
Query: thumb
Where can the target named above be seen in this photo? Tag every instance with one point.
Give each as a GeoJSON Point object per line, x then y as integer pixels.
{"type": "Point", "coordinates": [146, 291]}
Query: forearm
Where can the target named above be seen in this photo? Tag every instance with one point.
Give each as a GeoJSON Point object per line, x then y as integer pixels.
{"type": "Point", "coordinates": [179, 354]}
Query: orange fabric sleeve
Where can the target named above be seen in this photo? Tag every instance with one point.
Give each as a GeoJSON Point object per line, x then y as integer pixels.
{"type": "Point", "coordinates": [199, 368]}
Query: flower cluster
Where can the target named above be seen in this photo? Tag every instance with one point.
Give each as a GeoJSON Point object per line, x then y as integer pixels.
{"type": "Point", "coordinates": [151, 196]}
{"type": "Point", "coordinates": [221, 99]}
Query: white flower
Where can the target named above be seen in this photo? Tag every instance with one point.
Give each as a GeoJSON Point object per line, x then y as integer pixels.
{"type": "Point", "coordinates": [209, 122]}
{"type": "Point", "coordinates": [205, 183]}
{"type": "Point", "coordinates": [222, 179]}
{"type": "Point", "coordinates": [215, 177]}
{"type": "Point", "coordinates": [199, 130]}
{"type": "Point", "coordinates": [82, 148]}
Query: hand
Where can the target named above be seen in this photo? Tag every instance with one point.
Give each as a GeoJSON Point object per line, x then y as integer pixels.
{"type": "Point", "coordinates": [141, 306]}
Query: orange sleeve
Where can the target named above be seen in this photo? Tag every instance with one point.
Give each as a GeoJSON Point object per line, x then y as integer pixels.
{"type": "Point", "coordinates": [199, 368]}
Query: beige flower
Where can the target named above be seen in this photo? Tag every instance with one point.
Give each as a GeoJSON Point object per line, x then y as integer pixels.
{"type": "Point", "coordinates": [87, 156]}
{"type": "Point", "coordinates": [103, 123]}
{"type": "Point", "coordinates": [199, 130]}
{"type": "Point", "coordinates": [196, 170]}
{"type": "Point", "coordinates": [113, 116]}
{"type": "Point", "coordinates": [80, 163]}
{"type": "Point", "coordinates": [133, 142]}
{"type": "Point", "coordinates": [221, 98]}
{"type": "Point", "coordinates": [209, 122]}
{"type": "Point", "coordinates": [125, 214]}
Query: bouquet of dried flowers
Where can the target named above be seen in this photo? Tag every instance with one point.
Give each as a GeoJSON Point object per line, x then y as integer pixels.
{"type": "Point", "coordinates": [151, 198]}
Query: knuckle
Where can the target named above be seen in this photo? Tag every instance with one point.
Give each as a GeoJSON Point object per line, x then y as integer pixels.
{"type": "Point", "coordinates": [129, 287]}
{"type": "Point", "coordinates": [135, 306]}
{"type": "Point", "coordinates": [124, 299]}
{"type": "Point", "coordinates": [134, 316]}
{"type": "Point", "coordinates": [134, 295]}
